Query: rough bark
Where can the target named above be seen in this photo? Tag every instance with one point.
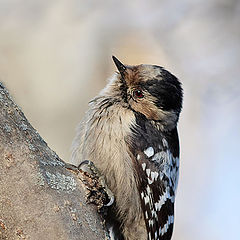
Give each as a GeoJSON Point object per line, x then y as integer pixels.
{"type": "Point", "coordinates": [39, 197]}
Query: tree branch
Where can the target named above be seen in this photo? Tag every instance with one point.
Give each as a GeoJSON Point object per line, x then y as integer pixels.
{"type": "Point", "coordinates": [39, 197]}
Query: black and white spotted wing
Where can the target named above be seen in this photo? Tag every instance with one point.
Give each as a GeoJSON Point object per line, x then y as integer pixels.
{"type": "Point", "coordinates": [157, 195]}
{"type": "Point", "coordinates": [157, 164]}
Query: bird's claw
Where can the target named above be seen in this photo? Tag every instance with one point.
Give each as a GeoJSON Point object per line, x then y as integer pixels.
{"type": "Point", "coordinates": [99, 193]}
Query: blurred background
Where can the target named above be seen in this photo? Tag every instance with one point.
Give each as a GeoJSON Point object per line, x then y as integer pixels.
{"type": "Point", "coordinates": [56, 55]}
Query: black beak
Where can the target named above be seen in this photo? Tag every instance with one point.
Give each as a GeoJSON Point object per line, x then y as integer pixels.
{"type": "Point", "coordinates": [121, 68]}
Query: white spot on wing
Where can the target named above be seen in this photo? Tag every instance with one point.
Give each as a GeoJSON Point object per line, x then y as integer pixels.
{"type": "Point", "coordinates": [150, 181]}
{"type": "Point", "coordinates": [148, 172]}
{"type": "Point", "coordinates": [138, 157]}
{"type": "Point", "coordinates": [154, 175]}
{"type": "Point", "coordinates": [146, 199]}
{"type": "Point", "coordinates": [165, 143]}
{"type": "Point", "coordinates": [154, 214]}
{"type": "Point", "coordinates": [163, 199]}
{"type": "Point", "coordinates": [144, 166]}
{"type": "Point", "coordinates": [149, 235]}
{"type": "Point", "coordinates": [148, 190]}
{"type": "Point", "coordinates": [150, 223]}
{"type": "Point", "coordinates": [149, 152]}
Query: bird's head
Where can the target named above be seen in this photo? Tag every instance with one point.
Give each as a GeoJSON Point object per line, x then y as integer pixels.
{"type": "Point", "coordinates": [149, 90]}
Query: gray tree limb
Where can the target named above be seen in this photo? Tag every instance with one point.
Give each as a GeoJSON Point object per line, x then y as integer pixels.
{"type": "Point", "coordinates": [39, 197]}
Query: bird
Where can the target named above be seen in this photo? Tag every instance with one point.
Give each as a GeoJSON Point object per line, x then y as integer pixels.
{"type": "Point", "coordinates": [130, 134]}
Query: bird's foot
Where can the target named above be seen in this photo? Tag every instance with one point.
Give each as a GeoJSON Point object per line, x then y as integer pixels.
{"type": "Point", "coordinates": [99, 193]}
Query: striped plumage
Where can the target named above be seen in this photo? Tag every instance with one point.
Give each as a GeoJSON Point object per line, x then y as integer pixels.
{"type": "Point", "coordinates": [157, 161]}
{"type": "Point", "coordinates": [130, 133]}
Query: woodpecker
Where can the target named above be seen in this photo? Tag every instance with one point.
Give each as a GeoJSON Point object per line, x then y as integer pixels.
{"type": "Point", "coordinates": [130, 134]}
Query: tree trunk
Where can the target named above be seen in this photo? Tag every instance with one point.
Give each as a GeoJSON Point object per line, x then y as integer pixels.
{"type": "Point", "coordinates": [39, 197]}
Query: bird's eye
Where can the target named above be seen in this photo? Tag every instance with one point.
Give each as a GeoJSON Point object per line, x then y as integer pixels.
{"type": "Point", "coordinates": [138, 93]}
